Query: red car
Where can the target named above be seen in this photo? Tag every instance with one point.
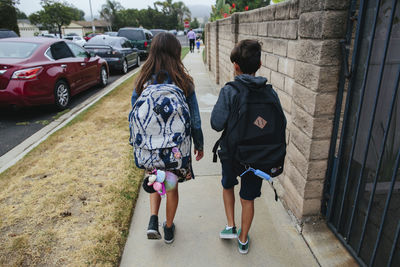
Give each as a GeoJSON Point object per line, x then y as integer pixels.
{"type": "Point", "coordinates": [90, 36]}
{"type": "Point", "coordinates": [35, 71]}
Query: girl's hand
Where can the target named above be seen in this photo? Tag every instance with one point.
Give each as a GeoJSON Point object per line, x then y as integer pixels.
{"type": "Point", "coordinates": [199, 154]}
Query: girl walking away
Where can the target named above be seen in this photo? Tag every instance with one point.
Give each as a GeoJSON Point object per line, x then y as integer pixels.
{"type": "Point", "coordinates": [164, 120]}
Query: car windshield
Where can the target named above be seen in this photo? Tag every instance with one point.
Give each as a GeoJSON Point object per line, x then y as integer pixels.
{"type": "Point", "coordinates": [99, 40]}
{"type": "Point", "coordinates": [131, 34]}
{"type": "Point", "coordinates": [17, 49]}
{"type": "Point", "coordinates": [6, 34]}
{"type": "Point", "coordinates": [155, 32]}
{"type": "Point", "coordinates": [69, 38]}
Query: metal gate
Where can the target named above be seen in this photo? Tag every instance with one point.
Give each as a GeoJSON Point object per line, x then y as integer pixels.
{"type": "Point", "coordinates": [362, 192]}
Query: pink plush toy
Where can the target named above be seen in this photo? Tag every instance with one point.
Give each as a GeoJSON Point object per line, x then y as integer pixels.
{"type": "Point", "coordinates": [162, 181]}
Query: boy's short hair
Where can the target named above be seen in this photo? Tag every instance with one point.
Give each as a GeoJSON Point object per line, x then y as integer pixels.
{"type": "Point", "coordinates": [247, 54]}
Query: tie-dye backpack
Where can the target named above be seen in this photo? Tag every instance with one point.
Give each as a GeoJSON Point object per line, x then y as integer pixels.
{"type": "Point", "coordinates": [160, 128]}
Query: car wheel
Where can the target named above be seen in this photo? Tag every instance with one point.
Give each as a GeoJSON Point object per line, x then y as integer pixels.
{"type": "Point", "coordinates": [137, 61]}
{"type": "Point", "coordinates": [124, 67]}
{"type": "Point", "coordinates": [103, 77]}
{"type": "Point", "coordinates": [61, 94]}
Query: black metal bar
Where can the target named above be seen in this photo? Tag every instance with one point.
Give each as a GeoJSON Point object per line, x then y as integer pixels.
{"type": "Point", "coordinates": [380, 157]}
{"type": "Point", "coordinates": [358, 114]}
{"type": "Point", "coordinates": [395, 239]}
{"type": "Point", "coordinates": [332, 181]}
{"type": "Point", "coordinates": [346, 245]}
{"type": "Point", "coordinates": [394, 3]}
{"type": "Point", "coordinates": [331, 174]}
{"type": "Point", "coordinates": [383, 219]}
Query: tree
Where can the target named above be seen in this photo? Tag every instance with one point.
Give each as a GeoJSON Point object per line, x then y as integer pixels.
{"type": "Point", "coordinates": [194, 24]}
{"type": "Point", "coordinates": [8, 15]}
{"type": "Point", "coordinates": [166, 6]}
{"type": "Point", "coordinates": [164, 15]}
{"type": "Point", "coordinates": [77, 14]}
{"type": "Point", "coordinates": [54, 15]}
{"type": "Point", "coordinates": [109, 12]}
{"type": "Point", "coordinates": [182, 11]}
{"type": "Point", "coordinates": [20, 14]}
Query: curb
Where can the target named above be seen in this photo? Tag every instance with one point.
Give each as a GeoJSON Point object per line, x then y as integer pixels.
{"type": "Point", "coordinates": [18, 152]}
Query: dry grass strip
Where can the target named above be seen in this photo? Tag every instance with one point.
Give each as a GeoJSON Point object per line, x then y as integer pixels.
{"type": "Point", "coordinates": [69, 202]}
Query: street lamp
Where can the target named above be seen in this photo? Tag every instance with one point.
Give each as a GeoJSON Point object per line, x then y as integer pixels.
{"type": "Point", "coordinates": [91, 13]}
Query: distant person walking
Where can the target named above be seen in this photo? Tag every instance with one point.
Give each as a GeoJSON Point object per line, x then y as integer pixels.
{"type": "Point", "coordinates": [192, 38]}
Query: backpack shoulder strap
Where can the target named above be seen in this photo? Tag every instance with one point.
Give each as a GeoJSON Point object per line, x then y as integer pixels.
{"type": "Point", "coordinates": [235, 105]}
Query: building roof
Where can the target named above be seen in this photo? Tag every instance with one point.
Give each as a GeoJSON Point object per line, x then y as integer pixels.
{"type": "Point", "coordinates": [88, 24]}
{"type": "Point", "coordinates": [26, 21]}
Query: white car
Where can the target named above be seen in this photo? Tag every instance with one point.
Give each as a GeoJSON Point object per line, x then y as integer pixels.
{"type": "Point", "coordinates": [76, 39]}
{"type": "Point", "coordinates": [180, 33]}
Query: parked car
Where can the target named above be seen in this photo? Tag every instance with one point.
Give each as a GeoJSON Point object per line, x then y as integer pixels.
{"type": "Point", "coordinates": [36, 71]}
{"type": "Point", "coordinates": [139, 38]}
{"type": "Point", "coordinates": [154, 32]}
{"type": "Point", "coordinates": [174, 32]}
{"type": "Point", "coordinates": [180, 33]}
{"type": "Point", "coordinates": [90, 35]}
{"type": "Point", "coordinates": [117, 51]}
{"type": "Point", "coordinates": [4, 33]}
{"type": "Point", "coordinates": [111, 33]}
{"type": "Point", "coordinates": [76, 39]}
{"type": "Point", "coordinates": [48, 35]}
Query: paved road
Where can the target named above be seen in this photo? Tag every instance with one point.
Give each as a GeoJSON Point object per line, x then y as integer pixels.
{"type": "Point", "coordinates": [16, 126]}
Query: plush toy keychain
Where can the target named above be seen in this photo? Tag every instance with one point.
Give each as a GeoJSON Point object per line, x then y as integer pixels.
{"type": "Point", "coordinates": [162, 181]}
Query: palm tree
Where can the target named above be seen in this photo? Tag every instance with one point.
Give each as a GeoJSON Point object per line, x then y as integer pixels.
{"type": "Point", "coordinates": [166, 6]}
{"type": "Point", "coordinates": [182, 11]}
{"type": "Point", "coordinates": [109, 11]}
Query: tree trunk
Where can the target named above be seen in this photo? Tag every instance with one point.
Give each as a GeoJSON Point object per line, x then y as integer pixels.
{"type": "Point", "coordinates": [59, 30]}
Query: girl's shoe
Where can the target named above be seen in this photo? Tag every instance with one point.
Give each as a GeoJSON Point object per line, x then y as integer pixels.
{"type": "Point", "coordinates": [169, 233]}
{"type": "Point", "coordinates": [228, 233]}
{"type": "Point", "coordinates": [152, 229]}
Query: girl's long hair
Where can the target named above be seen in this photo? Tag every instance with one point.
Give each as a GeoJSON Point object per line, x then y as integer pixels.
{"type": "Point", "coordinates": [165, 55]}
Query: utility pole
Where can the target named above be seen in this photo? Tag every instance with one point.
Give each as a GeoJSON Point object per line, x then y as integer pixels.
{"type": "Point", "coordinates": [91, 13]}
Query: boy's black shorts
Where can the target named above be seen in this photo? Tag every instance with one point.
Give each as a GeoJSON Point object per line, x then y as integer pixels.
{"type": "Point", "coordinates": [250, 186]}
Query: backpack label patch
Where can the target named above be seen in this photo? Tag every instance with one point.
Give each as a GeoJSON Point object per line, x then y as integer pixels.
{"type": "Point", "coordinates": [260, 122]}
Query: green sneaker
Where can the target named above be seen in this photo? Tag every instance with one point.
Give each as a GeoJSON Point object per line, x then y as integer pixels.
{"type": "Point", "coordinates": [228, 233]}
{"type": "Point", "coordinates": [243, 249]}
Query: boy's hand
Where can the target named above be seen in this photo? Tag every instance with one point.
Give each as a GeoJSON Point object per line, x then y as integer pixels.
{"type": "Point", "coordinates": [199, 154]}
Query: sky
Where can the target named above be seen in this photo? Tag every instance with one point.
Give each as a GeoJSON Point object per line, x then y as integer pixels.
{"type": "Point", "coordinates": [31, 6]}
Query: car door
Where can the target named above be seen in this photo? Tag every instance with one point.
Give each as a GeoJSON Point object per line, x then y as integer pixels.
{"type": "Point", "coordinates": [127, 47]}
{"type": "Point", "coordinates": [88, 65]}
{"type": "Point", "coordinates": [65, 65]}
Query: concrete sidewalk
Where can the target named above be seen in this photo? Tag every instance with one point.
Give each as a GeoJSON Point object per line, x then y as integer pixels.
{"type": "Point", "coordinates": [200, 215]}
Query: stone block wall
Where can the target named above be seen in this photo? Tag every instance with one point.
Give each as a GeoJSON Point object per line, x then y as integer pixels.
{"type": "Point", "coordinates": [301, 58]}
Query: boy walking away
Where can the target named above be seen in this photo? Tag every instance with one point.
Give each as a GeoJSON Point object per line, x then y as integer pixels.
{"type": "Point", "coordinates": [198, 45]}
{"type": "Point", "coordinates": [249, 112]}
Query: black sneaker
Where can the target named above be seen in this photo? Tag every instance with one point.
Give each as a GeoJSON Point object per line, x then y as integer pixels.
{"type": "Point", "coordinates": [152, 229]}
{"type": "Point", "coordinates": [169, 233]}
